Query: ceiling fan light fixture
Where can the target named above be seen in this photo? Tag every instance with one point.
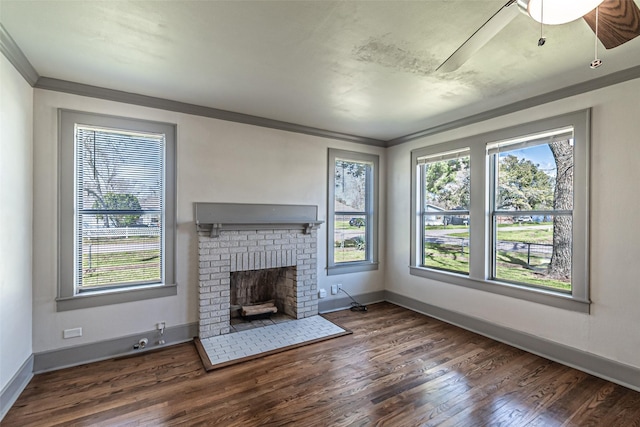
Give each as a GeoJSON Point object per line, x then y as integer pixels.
{"type": "Point", "coordinates": [557, 11]}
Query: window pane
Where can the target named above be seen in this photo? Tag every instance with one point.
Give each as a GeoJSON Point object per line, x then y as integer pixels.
{"type": "Point", "coordinates": [536, 178]}
{"type": "Point", "coordinates": [446, 242]}
{"type": "Point", "coordinates": [119, 170]}
{"type": "Point", "coordinates": [447, 185]}
{"type": "Point", "coordinates": [350, 238]}
{"type": "Point", "coordinates": [535, 252]}
{"type": "Point", "coordinates": [119, 255]}
{"type": "Point", "coordinates": [351, 186]}
{"type": "Point", "coordinates": [119, 199]}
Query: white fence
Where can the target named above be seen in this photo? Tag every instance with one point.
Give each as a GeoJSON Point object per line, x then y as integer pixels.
{"type": "Point", "coordinates": [113, 232]}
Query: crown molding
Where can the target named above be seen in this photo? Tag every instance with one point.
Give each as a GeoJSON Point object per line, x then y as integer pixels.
{"type": "Point", "coordinates": [15, 56]}
{"type": "Point", "coordinates": [197, 110]}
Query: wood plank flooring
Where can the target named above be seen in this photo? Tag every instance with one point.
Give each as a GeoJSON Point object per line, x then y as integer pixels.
{"type": "Point", "coordinates": [399, 368]}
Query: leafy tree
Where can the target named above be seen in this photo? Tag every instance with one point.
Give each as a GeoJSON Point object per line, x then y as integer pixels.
{"type": "Point", "coordinates": [447, 183]}
{"type": "Point", "coordinates": [522, 185]}
{"type": "Point", "coordinates": [350, 183]}
{"type": "Point", "coordinates": [118, 201]}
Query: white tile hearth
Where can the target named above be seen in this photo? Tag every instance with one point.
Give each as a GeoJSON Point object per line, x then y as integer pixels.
{"type": "Point", "coordinates": [223, 350]}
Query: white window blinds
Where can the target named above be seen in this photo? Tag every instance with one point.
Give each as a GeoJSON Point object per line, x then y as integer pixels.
{"type": "Point", "coordinates": [119, 208]}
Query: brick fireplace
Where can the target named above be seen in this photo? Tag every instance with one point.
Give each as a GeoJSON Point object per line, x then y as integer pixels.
{"type": "Point", "coordinates": [247, 237]}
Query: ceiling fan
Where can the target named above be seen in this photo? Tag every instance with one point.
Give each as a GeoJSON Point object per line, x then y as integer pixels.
{"type": "Point", "coordinates": [614, 21]}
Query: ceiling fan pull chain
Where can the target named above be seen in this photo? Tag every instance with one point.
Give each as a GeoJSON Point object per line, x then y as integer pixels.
{"type": "Point", "coordinates": [596, 62]}
{"type": "Point", "coordinates": [542, 39]}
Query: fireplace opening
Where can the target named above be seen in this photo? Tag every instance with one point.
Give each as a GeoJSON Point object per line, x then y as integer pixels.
{"type": "Point", "coordinates": [261, 297]}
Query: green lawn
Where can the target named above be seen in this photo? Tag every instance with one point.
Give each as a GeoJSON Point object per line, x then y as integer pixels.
{"type": "Point", "coordinates": [348, 254]}
{"type": "Point", "coordinates": [512, 234]}
{"type": "Point", "coordinates": [511, 266]}
{"type": "Point", "coordinates": [446, 257]}
{"type": "Point", "coordinates": [445, 227]}
{"type": "Point", "coordinates": [110, 268]}
{"type": "Point", "coordinates": [344, 225]}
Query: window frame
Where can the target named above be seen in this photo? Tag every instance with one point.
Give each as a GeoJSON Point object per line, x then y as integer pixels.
{"type": "Point", "coordinates": [68, 297]}
{"type": "Point", "coordinates": [421, 162]}
{"type": "Point", "coordinates": [371, 203]}
{"type": "Point", "coordinates": [480, 250]}
{"type": "Point", "coordinates": [493, 152]}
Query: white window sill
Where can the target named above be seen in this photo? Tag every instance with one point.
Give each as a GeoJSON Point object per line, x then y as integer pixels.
{"type": "Point", "coordinates": [98, 298]}
{"type": "Point", "coordinates": [351, 267]}
{"type": "Point", "coordinates": [540, 296]}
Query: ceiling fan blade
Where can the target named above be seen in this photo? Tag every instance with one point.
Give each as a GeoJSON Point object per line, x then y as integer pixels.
{"type": "Point", "coordinates": [486, 32]}
{"type": "Point", "coordinates": [619, 22]}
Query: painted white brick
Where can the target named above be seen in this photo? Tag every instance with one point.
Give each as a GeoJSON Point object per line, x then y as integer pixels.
{"type": "Point", "coordinates": [229, 244]}
{"type": "Point", "coordinates": [254, 249]}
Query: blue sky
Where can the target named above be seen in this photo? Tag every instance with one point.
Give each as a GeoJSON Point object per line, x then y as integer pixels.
{"type": "Point", "coordinates": [540, 155]}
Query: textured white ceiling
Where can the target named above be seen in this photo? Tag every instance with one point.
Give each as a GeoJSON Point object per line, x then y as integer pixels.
{"type": "Point", "coordinates": [360, 68]}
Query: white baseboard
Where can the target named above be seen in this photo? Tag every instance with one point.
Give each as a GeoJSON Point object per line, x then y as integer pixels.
{"type": "Point", "coordinates": [15, 386]}
{"type": "Point", "coordinates": [336, 304]}
{"type": "Point", "coordinates": [101, 350]}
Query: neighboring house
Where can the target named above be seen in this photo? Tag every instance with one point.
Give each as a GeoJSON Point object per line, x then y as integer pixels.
{"type": "Point", "coordinates": [437, 219]}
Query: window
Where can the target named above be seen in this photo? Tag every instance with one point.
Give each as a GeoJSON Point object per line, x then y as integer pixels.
{"type": "Point", "coordinates": [117, 210]}
{"type": "Point", "coordinates": [519, 197]}
{"type": "Point", "coordinates": [445, 198]}
{"type": "Point", "coordinates": [531, 210]}
{"type": "Point", "coordinates": [353, 220]}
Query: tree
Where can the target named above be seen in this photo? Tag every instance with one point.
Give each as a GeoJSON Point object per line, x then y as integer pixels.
{"type": "Point", "coordinates": [101, 161]}
{"type": "Point", "coordinates": [113, 175]}
{"type": "Point", "coordinates": [350, 183]}
{"type": "Point", "coordinates": [522, 185]}
{"type": "Point", "coordinates": [118, 201]}
{"type": "Point", "coordinates": [560, 266]}
{"type": "Point", "coordinates": [447, 183]}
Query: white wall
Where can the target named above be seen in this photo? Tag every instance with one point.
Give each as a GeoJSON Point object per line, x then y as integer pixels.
{"type": "Point", "coordinates": [218, 161]}
{"type": "Point", "coordinates": [611, 330]}
{"type": "Point", "coordinates": [16, 202]}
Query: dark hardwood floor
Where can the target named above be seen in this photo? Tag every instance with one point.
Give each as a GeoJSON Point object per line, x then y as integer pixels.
{"type": "Point", "coordinates": [399, 368]}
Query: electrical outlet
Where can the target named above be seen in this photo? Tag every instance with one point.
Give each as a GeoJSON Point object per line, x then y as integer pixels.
{"type": "Point", "coordinates": [339, 286]}
{"type": "Point", "coordinates": [334, 289]}
{"type": "Point", "coordinates": [72, 333]}
{"type": "Point", "coordinates": [322, 293]}
{"type": "Point", "coordinates": [161, 325]}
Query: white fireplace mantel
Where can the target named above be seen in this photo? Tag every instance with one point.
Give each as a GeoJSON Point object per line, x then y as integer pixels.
{"type": "Point", "coordinates": [214, 217]}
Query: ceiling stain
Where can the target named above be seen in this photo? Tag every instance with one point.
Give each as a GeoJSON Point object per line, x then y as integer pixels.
{"type": "Point", "coordinates": [376, 51]}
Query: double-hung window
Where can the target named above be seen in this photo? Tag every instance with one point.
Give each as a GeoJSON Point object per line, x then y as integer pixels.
{"type": "Point", "coordinates": [507, 211]}
{"type": "Point", "coordinates": [444, 210]}
{"type": "Point", "coordinates": [117, 205]}
{"type": "Point", "coordinates": [531, 204]}
{"type": "Point", "coordinates": [353, 220]}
